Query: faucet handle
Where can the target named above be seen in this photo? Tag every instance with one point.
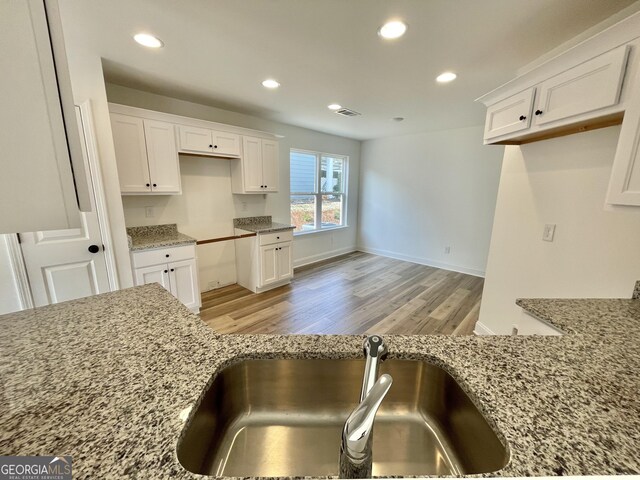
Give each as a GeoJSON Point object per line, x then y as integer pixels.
{"type": "Point", "coordinates": [359, 425]}
{"type": "Point", "coordinates": [374, 346]}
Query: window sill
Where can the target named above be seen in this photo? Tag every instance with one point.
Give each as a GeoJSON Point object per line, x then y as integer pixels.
{"type": "Point", "coordinates": [322, 230]}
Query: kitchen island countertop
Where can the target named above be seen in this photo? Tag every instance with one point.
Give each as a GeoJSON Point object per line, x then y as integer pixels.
{"type": "Point", "coordinates": [105, 378]}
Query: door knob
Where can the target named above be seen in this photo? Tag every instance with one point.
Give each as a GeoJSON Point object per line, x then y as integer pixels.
{"type": "Point", "coordinates": [94, 248]}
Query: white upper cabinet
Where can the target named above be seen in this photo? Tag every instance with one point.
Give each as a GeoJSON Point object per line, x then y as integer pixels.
{"type": "Point", "coordinates": [208, 142]}
{"type": "Point", "coordinates": [146, 155]}
{"type": "Point", "coordinates": [162, 156]}
{"type": "Point", "coordinates": [588, 87]}
{"type": "Point", "coordinates": [624, 185]}
{"type": "Point", "coordinates": [511, 115]}
{"type": "Point", "coordinates": [38, 133]}
{"type": "Point", "coordinates": [257, 170]}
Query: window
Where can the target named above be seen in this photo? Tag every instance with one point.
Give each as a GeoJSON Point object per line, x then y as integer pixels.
{"type": "Point", "coordinates": [318, 190]}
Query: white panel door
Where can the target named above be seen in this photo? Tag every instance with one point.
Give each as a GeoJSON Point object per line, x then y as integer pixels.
{"type": "Point", "coordinates": [226, 143]}
{"type": "Point", "coordinates": [162, 154]}
{"type": "Point", "coordinates": [131, 153]}
{"type": "Point", "coordinates": [67, 264]}
{"type": "Point", "coordinates": [194, 139]}
{"type": "Point", "coordinates": [285, 261]}
{"type": "Point", "coordinates": [510, 115]}
{"type": "Point", "coordinates": [268, 265]}
{"type": "Point", "coordinates": [270, 175]}
{"type": "Point", "coordinates": [183, 277]}
{"type": "Point", "coordinates": [252, 164]}
{"type": "Point", "coordinates": [587, 87]}
{"type": "Point", "coordinates": [154, 274]}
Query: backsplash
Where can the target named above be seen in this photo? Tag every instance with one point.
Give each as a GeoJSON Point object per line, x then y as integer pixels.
{"type": "Point", "coordinates": [636, 291]}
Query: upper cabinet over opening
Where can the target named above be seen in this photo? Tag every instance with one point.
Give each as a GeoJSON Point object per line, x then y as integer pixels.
{"type": "Point", "coordinates": [208, 142]}
{"type": "Point", "coordinates": [595, 84]}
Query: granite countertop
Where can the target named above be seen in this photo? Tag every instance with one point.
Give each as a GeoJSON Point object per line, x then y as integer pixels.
{"type": "Point", "coordinates": [104, 379]}
{"type": "Point", "coordinates": [157, 236]}
{"type": "Point", "coordinates": [593, 316]}
{"type": "Point", "coordinates": [260, 224]}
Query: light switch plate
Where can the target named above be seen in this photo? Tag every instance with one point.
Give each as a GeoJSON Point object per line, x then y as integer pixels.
{"type": "Point", "coordinates": [548, 232]}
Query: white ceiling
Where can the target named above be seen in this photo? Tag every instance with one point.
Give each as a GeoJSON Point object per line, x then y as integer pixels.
{"type": "Point", "coordinates": [217, 52]}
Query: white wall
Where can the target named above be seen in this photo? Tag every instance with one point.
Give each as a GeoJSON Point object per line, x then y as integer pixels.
{"type": "Point", "coordinates": [422, 192]}
{"type": "Point", "coordinates": [206, 207]}
{"type": "Point", "coordinates": [595, 250]}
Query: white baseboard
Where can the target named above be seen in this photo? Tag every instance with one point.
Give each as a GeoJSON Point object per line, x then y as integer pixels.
{"type": "Point", "coordinates": [423, 261]}
{"type": "Point", "coordinates": [481, 329]}
{"type": "Point", "coordinates": [300, 262]}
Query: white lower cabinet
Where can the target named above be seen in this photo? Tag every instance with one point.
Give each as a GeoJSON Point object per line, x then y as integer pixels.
{"type": "Point", "coordinates": [265, 261]}
{"type": "Point", "coordinates": [174, 268]}
{"type": "Point", "coordinates": [275, 263]}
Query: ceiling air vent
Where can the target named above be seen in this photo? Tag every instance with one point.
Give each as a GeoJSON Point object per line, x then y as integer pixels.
{"type": "Point", "coordinates": [347, 113]}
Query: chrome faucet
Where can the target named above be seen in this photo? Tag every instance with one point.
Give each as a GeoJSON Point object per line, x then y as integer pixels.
{"type": "Point", "coordinates": [356, 457]}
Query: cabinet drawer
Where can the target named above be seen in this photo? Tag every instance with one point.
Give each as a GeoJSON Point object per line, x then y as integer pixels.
{"type": "Point", "coordinates": [162, 255]}
{"type": "Point", "coordinates": [275, 237]}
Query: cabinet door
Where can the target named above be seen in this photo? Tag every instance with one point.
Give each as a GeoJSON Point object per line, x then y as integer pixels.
{"type": "Point", "coordinates": [252, 164]}
{"type": "Point", "coordinates": [154, 274]}
{"type": "Point", "coordinates": [285, 261]}
{"type": "Point", "coordinates": [131, 153]}
{"type": "Point", "coordinates": [184, 282]}
{"type": "Point", "coordinates": [226, 143]}
{"type": "Point", "coordinates": [270, 175]}
{"type": "Point", "coordinates": [590, 86]}
{"type": "Point", "coordinates": [162, 155]}
{"type": "Point", "coordinates": [510, 115]}
{"type": "Point", "coordinates": [268, 265]}
{"type": "Point", "coordinates": [36, 179]}
{"type": "Point", "coordinates": [624, 185]}
{"type": "Point", "coordinates": [194, 139]}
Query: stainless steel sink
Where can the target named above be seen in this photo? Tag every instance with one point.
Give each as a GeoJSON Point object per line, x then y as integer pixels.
{"type": "Point", "coordinates": [277, 418]}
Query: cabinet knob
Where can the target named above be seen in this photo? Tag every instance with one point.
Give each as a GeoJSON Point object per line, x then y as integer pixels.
{"type": "Point", "coordinates": [167, 255]}
{"type": "Point", "coordinates": [522, 117]}
{"type": "Point", "coordinates": [93, 248]}
{"type": "Point", "coordinates": [215, 146]}
{"type": "Point", "coordinates": [148, 184]}
{"type": "Point", "coordinates": [173, 269]}
{"type": "Point", "coordinates": [210, 146]}
{"type": "Point", "coordinates": [277, 238]}
{"type": "Point", "coordinates": [155, 184]}
{"type": "Point", "coordinates": [166, 271]}
{"type": "Point", "coordinates": [538, 112]}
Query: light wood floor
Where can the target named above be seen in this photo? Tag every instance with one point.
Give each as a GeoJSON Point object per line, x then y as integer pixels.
{"type": "Point", "coordinates": [352, 294]}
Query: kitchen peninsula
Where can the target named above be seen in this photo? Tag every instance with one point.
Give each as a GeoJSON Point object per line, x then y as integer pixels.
{"type": "Point", "coordinates": [109, 380]}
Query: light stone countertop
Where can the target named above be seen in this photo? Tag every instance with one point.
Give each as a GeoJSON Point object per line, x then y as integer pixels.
{"type": "Point", "coordinates": [105, 378]}
{"type": "Point", "coordinates": [261, 224]}
{"type": "Point", "coordinates": [157, 236]}
{"type": "Point", "coordinates": [593, 316]}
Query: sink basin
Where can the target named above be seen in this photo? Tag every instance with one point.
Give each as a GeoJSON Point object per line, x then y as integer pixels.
{"type": "Point", "coordinates": [284, 418]}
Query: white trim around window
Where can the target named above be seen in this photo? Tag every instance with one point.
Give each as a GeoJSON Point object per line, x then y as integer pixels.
{"type": "Point", "coordinates": [308, 186]}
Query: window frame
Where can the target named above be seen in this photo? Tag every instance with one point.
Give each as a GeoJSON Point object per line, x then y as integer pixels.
{"type": "Point", "coordinates": [318, 193]}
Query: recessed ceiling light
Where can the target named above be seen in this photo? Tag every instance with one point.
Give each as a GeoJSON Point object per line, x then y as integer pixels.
{"type": "Point", "coordinates": [270, 83]}
{"type": "Point", "coordinates": [148, 40]}
{"type": "Point", "coordinates": [393, 29]}
{"type": "Point", "coordinates": [334, 106]}
{"type": "Point", "coordinates": [446, 77]}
